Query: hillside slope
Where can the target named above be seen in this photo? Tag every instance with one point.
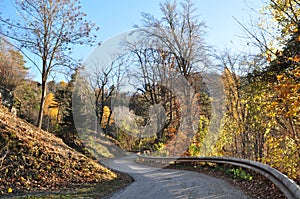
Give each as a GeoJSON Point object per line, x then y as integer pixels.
{"type": "Point", "coordinates": [32, 159]}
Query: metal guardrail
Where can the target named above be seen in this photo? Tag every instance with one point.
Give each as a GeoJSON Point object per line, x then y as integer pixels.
{"type": "Point", "coordinates": [290, 189]}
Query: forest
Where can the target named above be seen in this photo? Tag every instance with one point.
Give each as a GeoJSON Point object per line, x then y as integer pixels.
{"type": "Point", "coordinates": [185, 98]}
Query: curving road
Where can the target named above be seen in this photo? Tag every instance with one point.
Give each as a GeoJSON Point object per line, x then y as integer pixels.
{"type": "Point", "coordinates": [155, 183]}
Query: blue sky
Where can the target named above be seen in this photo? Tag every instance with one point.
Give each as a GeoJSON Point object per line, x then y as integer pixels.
{"type": "Point", "coordinates": [117, 16]}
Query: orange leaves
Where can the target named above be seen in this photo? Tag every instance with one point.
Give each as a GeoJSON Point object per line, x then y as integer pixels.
{"type": "Point", "coordinates": [296, 58]}
{"type": "Point", "coordinates": [171, 132]}
{"type": "Point", "coordinates": [287, 94]}
{"type": "Point", "coordinates": [295, 30]}
{"type": "Point", "coordinates": [269, 57]}
{"type": "Point", "coordinates": [274, 104]}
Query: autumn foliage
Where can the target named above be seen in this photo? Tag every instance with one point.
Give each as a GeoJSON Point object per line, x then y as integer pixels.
{"type": "Point", "coordinates": [262, 120]}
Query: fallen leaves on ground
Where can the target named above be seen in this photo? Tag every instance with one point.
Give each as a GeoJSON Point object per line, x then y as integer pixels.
{"type": "Point", "coordinates": [35, 160]}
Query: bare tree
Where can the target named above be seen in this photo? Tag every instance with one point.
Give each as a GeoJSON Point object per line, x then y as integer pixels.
{"type": "Point", "coordinates": [153, 71]}
{"type": "Point", "coordinates": [178, 32]}
{"type": "Point", "coordinates": [176, 51]}
{"type": "Point", "coordinates": [105, 80]}
{"type": "Point", "coordinates": [48, 30]}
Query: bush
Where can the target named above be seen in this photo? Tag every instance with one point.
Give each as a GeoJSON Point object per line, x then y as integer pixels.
{"type": "Point", "coordinates": [239, 173]}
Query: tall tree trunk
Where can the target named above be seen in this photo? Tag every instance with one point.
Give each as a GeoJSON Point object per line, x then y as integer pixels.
{"type": "Point", "coordinates": [42, 103]}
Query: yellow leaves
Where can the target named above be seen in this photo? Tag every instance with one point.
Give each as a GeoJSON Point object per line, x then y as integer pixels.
{"type": "Point", "coordinates": [279, 77]}
{"type": "Point", "coordinates": [50, 108]}
{"type": "Point", "coordinates": [9, 190]}
{"type": "Point", "coordinates": [105, 116]}
{"type": "Point", "coordinates": [297, 73]}
{"type": "Point", "coordinates": [283, 112]}
{"type": "Point", "coordinates": [282, 154]}
{"type": "Point", "coordinates": [63, 84]}
{"type": "Point", "coordinates": [295, 30]}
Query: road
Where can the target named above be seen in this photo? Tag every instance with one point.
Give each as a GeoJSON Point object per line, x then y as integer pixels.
{"type": "Point", "coordinates": [156, 183]}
